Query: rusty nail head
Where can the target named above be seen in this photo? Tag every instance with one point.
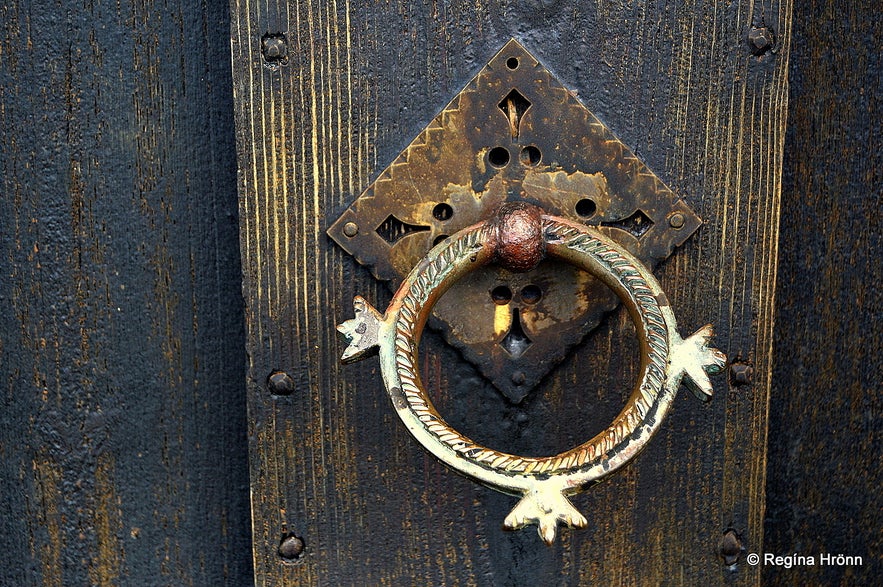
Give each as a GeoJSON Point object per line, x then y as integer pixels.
{"type": "Point", "coordinates": [350, 229]}
{"type": "Point", "coordinates": [730, 547]}
{"type": "Point", "coordinates": [761, 39]}
{"type": "Point", "coordinates": [519, 236]}
{"type": "Point", "coordinates": [741, 373]}
{"type": "Point", "coordinates": [273, 47]}
{"type": "Point", "coordinates": [280, 383]}
{"type": "Point", "coordinates": [291, 547]}
{"type": "Point", "coordinates": [676, 220]}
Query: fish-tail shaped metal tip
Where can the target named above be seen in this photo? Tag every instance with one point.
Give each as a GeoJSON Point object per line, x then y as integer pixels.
{"type": "Point", "coordinates": [361, 332]}
{"type": "Point", "coordinates": [696, 359]}
{"type": "Point", "coordinates": [546, 509]}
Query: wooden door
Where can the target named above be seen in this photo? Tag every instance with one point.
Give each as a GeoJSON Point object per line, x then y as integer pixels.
{"type": "Point", "coordinates": [326, 95]}
{"type": "Point", "coordinates": [122, 348]}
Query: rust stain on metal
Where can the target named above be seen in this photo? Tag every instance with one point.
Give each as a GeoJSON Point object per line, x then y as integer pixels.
{"type": "Point", "coordinates": [519, 236]}
{"type": "Point", "coordinates": [514, 133]}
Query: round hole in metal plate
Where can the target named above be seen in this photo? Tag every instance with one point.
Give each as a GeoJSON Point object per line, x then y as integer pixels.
{"type": "Point", "coordinates": [501, 295]}
{"type": "Point", "coordinates": [531, 294]}
{"type": "Point", "coordinates": [530, 156]}
{"type": "Point", "coordinates": [585, 207]}
{"type": "Point", "coordinates": [442, 212]}
{"type": "Point", "coordinates": [498, 156]}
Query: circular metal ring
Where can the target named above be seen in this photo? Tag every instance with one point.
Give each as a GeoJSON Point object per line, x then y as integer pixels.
{"type": "Point", "coordinates": [543, 483]}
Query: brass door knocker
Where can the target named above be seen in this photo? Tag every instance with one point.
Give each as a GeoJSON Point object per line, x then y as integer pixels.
{"type": "Point", "coordinates": [518, 237]}
{"type": "Point", "coordinates": [514, 132]}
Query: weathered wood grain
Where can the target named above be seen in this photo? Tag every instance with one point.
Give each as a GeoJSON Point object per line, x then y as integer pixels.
{"type": "Point", "coordinates": [122, 426]}
{"type": "Point", "coordinates": [826, 422]}
{"type": "Point", "coordinates": [331, 463]}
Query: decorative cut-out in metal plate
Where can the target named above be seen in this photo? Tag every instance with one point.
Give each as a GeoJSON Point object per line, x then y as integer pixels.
{"type": "Point", "coordinates": [513, 133]}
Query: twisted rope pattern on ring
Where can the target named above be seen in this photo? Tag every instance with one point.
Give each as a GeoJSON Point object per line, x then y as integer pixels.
{"type": "Point", "coordinates": [634, 414]}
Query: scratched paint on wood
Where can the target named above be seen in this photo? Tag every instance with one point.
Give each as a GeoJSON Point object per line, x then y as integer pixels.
{"type": "Point", "coordinates": [122, 427]}
{"type": "Point", "coordinates": [675, 80]}
{"type": "Point", "coordinates": [826, 409]}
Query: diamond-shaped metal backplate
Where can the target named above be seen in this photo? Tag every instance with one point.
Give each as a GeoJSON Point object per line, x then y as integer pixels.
{"type": "Point", "coordinates": [513, 133]}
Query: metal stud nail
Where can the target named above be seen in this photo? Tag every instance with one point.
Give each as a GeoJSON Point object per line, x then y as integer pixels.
{"type": "Point", "coordinates": [676, 220]}
{"type": "Point", "coordinates": [274, 48]}
{"type": "Point", "coordinates": [760, 39]}
{"type": "Point", "coordinates": [741, 373]}
{"type": "Point", "coordinates": [291, 547]}
{"type": "Point", "coordinates": [730, 547]}
{"type": "Point", "coordinates": [280, 383]}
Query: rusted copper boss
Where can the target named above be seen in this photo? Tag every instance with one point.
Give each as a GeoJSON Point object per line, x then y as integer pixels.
{"type": "Point", "coordinates": [518, 237]}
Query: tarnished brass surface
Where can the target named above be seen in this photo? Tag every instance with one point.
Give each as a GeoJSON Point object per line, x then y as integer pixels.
{"type": "Point", "coordinates": [513, 133]}
{"type": "Point", "coordinates": [542, 483]}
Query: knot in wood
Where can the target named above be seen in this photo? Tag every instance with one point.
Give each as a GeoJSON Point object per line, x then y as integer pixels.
{"type": "Point", "coordinates": [518, 229]}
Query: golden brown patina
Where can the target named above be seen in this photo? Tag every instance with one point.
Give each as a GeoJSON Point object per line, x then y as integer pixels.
{"type": "Point", "coordinates": [514, 133]}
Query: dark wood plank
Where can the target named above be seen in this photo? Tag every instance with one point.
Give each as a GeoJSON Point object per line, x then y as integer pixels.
{"type": "Point", "coordinates": [826, 430]}
{"type": "Point", "coordinates": [122, 427]}
{"type": "Point", "coordinates": [330, 462]}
